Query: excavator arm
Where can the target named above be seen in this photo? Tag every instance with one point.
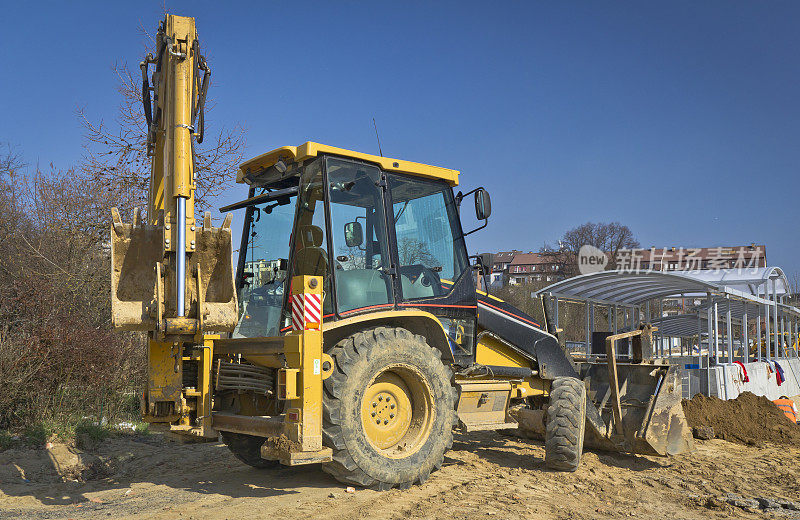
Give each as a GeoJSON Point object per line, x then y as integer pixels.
{"type": "Point", "coordinates": [172, 276]}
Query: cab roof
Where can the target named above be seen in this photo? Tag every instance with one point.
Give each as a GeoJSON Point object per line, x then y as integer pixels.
{"type": "Point", "coordinates": [292, 154]}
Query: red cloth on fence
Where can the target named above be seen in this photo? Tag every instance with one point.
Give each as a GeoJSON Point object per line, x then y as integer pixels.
{"type": "Point", "coordinates": [744, 370]}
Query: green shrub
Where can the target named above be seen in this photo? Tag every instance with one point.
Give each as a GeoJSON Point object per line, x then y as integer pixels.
{"type": "Point", "coordinates": [37, 434]}
{"type": "Point", "coordinates": [89, 435]}
{"type": "Point", "coordinates": [7, 440]}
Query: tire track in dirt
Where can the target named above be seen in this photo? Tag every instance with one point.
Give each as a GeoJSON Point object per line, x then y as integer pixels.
{"type": "Point", "coordinates": [485, 475]}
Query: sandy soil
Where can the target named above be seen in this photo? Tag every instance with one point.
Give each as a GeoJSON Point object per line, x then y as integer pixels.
{"type": "Point", "coordinates": [486, 475]}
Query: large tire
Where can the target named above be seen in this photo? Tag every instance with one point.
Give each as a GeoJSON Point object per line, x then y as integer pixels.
{"type": "Point", "coordinates": [566, 424]}
{"type": "Point", "coordinates": [247, 448]}
{"type": "Point", "coordinates": [392, 377]}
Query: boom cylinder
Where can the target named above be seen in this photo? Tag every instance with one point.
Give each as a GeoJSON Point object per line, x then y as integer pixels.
{"type": "Point", "coordinates": [180, 258]}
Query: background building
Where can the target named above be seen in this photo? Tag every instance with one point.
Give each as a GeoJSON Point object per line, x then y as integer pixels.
{"type": "Point", "coordinates": [516, 267]}
{"type": "Point", "coordinates": [530, 267]}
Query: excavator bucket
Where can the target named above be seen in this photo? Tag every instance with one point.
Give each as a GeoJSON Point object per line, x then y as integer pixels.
{"type": "Point", "coordinates": [649, 419]}
{"type": "Point", "coordinates": [140, 283]}
{"type": "Point", "coordinates": [637, 400]}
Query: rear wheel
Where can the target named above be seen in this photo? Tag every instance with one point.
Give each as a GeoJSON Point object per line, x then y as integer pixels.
{"type": "Point", "coordinates": [566, 424]}
{"type": "Point", "coordinates": [389, 409]}
{"type": "Point", "coordinates": [247, 448]}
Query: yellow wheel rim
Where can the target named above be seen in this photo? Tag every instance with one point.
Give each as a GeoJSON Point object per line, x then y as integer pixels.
{"type": "Point", "coordinates": [397, 411]}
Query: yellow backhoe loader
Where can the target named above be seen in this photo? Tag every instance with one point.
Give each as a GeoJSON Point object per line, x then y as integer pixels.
{"type": "Point", "coordinates": [350, 332]}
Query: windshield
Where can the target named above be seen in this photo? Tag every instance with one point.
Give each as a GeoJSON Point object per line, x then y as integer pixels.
{"type": "Point", "coordinates": [265, 268]}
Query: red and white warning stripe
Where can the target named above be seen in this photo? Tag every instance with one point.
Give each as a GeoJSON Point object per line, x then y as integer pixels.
{"type": "Point", "coordinates": [306, 311]}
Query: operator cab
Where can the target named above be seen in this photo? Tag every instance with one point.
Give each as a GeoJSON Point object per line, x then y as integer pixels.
{"type": "Point", "coordinates": [384, 234]}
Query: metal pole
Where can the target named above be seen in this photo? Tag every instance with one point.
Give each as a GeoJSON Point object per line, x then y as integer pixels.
{"type": "Point", "coordinates": [630, 318]}
{"type": "Point", "coordinates": [699, 338]}
{"type": "Point", "coordinates": [729, 331]}
{"type": "Point", "coordinates": [588, 334]}
{"type": "Point", "coordinates": [555, 308]}
{"type": "Point", "coordinates": [745, 339]}
{"type": "Point", "coordinates": [624, 318]}
{"type": "Point", "coordinates": [615, 319]}
{"type": "Point", "coordinates": [775, 318]}
{"type": "Point", "coordinates": [783, 333]}
{"type": "Point", "coordinates": [767, 339]}
{"type": "Point", "coordinates": [716, 333]}
{"type": "Point", "coordinates": [758, 334]}
{"type": "Point", "coordinates": [660, 335]}
{"type": "Point", "coordinates": [708, 350]}
{"type": "Point", "coordinates": [180, 257]}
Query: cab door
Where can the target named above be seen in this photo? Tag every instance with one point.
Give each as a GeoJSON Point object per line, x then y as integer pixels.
{"type": "Point", "coordinates": [362, 264]}
{"type": "Point", "coordinates": [433, 272]}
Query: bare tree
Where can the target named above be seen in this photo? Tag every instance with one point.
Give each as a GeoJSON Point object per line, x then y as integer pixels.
{"type": "Point", "coordinates": [794, 288]}
{"type": "Point", "coordinates": [11, 162]}
{"type": "Point", "coordinates": [115, 153]}
{"type": "Point", "coordinates": [11, 165]}
{"type": "Point", "coordinates": [412, 251]}
{"type": "Point", "coordinates": [59, 358]}
{"type": "Point", "coordinates": [610, 238]}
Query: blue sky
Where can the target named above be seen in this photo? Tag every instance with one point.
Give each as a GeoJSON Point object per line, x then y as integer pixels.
{"type": "Point", "coordinates": [679, 119]}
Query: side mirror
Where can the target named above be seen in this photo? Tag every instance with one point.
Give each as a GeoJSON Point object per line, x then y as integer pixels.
{"type": "Point", "coordinates": [483, 204]}
{"type": "Point", "coordinates": [353, 234]}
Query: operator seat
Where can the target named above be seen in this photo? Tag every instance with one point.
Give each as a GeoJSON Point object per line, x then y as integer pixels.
{"type": "Point", "coordinates": [311, 259]}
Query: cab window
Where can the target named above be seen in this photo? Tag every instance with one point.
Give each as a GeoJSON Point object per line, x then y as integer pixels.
{"type": "Point", "coordinates": [358, 236]}
{"type": "Point", "coordinates": [430, 247]}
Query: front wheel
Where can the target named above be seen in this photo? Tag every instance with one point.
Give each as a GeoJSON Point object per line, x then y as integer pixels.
{"type": "Point", "coordinates": [389, 409]}
{"type": "Point", "coordinates": [566, 424]}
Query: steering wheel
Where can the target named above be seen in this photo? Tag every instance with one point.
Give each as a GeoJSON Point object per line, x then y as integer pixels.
{"type": "Point", "coordinates": [418, 273]}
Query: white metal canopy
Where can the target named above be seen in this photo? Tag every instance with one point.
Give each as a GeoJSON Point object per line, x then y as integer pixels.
{"type": "Point", "coordinates": [754, 281]}
{"type": "Point", "coordinates": [726, 304]}
{"type": "Point", "coordinates": [629, 288]}
{"type": "Point", "coordinates": [740, 307]}
{"type": "Point", "coordinates": [682, 325]}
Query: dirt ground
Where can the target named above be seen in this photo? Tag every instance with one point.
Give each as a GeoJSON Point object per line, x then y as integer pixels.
{"type": "Point", "coordinates": [486, 475]}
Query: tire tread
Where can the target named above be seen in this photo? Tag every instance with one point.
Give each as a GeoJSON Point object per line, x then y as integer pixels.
{"type": "Point", "coordinates": [565, 427]}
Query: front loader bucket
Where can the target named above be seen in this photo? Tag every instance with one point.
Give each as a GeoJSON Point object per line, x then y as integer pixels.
{"type": "Point", "coordinates": [652, 420]}
{"type": "Point", "coordinates": [142, 286]}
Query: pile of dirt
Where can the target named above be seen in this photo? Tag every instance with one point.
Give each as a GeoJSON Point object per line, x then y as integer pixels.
{"type": "Point", "coordinates": [55, 463]}
{"type": "Point", "coordinates": [749, 419]}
